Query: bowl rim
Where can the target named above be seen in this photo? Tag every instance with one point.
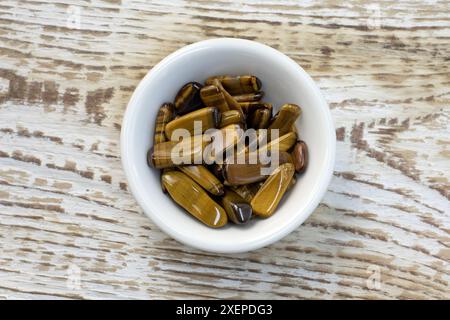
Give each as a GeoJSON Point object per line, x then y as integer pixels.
{"type": "Point", "coordinates": [301, 216]}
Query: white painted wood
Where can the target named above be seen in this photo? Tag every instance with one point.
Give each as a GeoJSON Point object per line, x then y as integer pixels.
{"type": "Point", "coordinates": [64, 204]}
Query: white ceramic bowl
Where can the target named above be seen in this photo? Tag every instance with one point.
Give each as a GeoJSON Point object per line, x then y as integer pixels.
{"type": "Point", "coordinates": [283, 81]}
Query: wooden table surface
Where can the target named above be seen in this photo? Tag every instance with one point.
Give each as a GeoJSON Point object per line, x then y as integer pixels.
{"type": "Point", "coordinates": [69, 227]}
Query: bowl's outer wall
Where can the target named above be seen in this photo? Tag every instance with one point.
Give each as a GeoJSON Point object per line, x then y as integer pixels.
{"type": "Point", "coordinates": [283, 82]}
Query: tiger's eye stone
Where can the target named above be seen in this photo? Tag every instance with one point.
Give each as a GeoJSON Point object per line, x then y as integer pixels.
{"type": "Point", "coordinates": [213, 97]}
{"type": "Point", "coordinates": [260, 118]}
{"type": "Point", "coordinates": [295, 130]}
{"type": "Point", "coordinates": [250, 107]}
{"type": "Point", "coordinates": [236, 174]}
{"type": "Point", "coordinates": [208, 117]}
{"type": "Point", "coordinates": [237, 85]}
{"type": "Point", "coordinates": [292, 183]}
{"type": "Point", "coordinates": [238, 210]}
{"type": "Point", "coordinates": [217, 170]}
{"type": "Point", "coordinates": [188, 98]}
{"type": "Point", "coordinates": [283, 143]}
{"type": "Point", "coordinates": [225, 174]}
{"type": "Point", "coordinates": [164, 116]}
{"type": "Point", "coordinates": [222, 143]}
{"type": "Point", "coordinates": [232, 104]}
{"type": "Point", "coordinates": [173, 153]}
{"type": "Point", "coordinates": [231, 117]}
{"type": "Point", "coordinates": [249, 97]}
{"type": "Point", "coordinates": [204, 178]}
{"type": "Point", "coordinates": [269, 195]}
{"type": "Point", "coordinates": [253, 142]}
{"type": "Point", "coordinates": [189, 195]}
{"type": "Point", "coordinates": [247, 191]}
{"type": "Point", "coordinates": [160, 178]}
{"type": "Point", "coordinates": [300, 156]}
{"type": "Point", "coordinates": [285, 118]}
{"type": "Point", "coordinates": [261, 144]}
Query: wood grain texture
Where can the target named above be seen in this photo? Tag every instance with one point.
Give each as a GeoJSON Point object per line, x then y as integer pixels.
{"type": "Point", "coordinates": [64, 205]}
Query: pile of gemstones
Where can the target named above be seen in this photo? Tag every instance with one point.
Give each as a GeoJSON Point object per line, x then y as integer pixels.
{"type": "Point", "coordinates": [215, 189]}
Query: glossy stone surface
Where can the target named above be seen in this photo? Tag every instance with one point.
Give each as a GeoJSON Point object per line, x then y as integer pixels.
{"type": "Point", "coordinates": [260, 118]}
{"type": "Point", "coordinates": [189, 195]}
{"type": "Point", "coordinates": [231, 117]}
{"type": "Point", "coordinates": [266, 200]}
{"type": "Point", "coordinates": [249, 97]}
{"type": "Point", "coordinates": [172, 153]}
{"type": "Point", "coordinates": [165, 115]}
{"type": "Point", "coordinates": [285, 118]}
{"type": "Point", "coordinates": [250, 107]}
{"type": "Point", "coordinates": [208, 117]}
{"type": "Point", "coordinates": [282, 143]}
{"type": "Point", "coordinates": [188, 98]}
{"type": "Point", "coordinates": [240, 174]}
{"type": "Point", "coordinates": [238, 209]}
{"type": "Point", "coordinates": [247, 191]}
{"type": "Point", "coordinates": [231, 102]}
{"type": "Point", "coordinates": [213, 97]}
{"type": "Point", "coordinates": [237, 85]}
{"type": "Point", "coordinates": [300, 156]}
{"type": "Point", "coordinates": [204, 178]}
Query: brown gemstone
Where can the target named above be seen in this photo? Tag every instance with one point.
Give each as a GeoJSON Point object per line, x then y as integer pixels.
{"type": "Point", "coordinates": [269, 195]}
{"type": "Point", "coordinates": [164, 116]}
{"type": "Point", "coordinates": [222, 144]}
{"type": "Point", "coordinates": [173, 153]}
{"type": "Point", "coordinates": [160, 178]}
{"type": "Point", "coordinates": [285, 118]}
{"type": "Point", "coordinates": [189, 195]}
{"type": "Point", "coordinates": [231, 102]}
{"type": "Point", "coordinates": [207, 117]}
{"type": "Point", "coordinates": [249, 97]}
{"type": "Point", "coordinates": [237, 85]}
{"type": "Point", "coordinates": [238, 210]}
{"type": "Point", "coordinates": [188, 98]}
{"type": "Point", "coordinates": [283, 143]}
{"type": "Point", "coordinates": [213, 97]}
{"type": "Point", "coordinates": [250, 107]}
{"type": "Point", "coordinates": [231, 117]}
{"type": "Point", "coordinates": [300, 156]}
{"type": "Point", "coordinates": [204, 178]}
{"type": "Point", "coordinates": [253, 171]}
{"type": "Point", "coordinates": [217, 170]}
{"type": "Point", "coordinates": [247, 191]}
{"type": "Point", "coordinates": [260, 118]}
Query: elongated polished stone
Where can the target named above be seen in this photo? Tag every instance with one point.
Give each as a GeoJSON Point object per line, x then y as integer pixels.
{"type": "Point", "coordinates": [172, 153]}
{"type": "Point", "coordinates": [250, 107]}
{"type": "Point", "coordinates": [189, 195]}
{"type": "Point", "coordinates": [285, 118]}
{"type": "Point", "coordinates": [164, 116]}
{"type": "Point", "coordinates": [238, 210]}
{"type": "Point", "coordinates": [204, 178]}
{"type": "Point", "coordinates": [282, 143]}
{"type": "Point", "coordinates": [300, 156]}
{"type": "Point", "coordinates": [207, 118]}
{"type": "Point", "coordinates": [247, 191]}
{"type": "Point", "coordinates": [231, 117]}
{"type": "Point", "coordinates": [188, 98]}
{"type": "Point", "coordinates": [231, 102]}
{"type": "Point", "coordinates": [213, 97]}
{"type": "Point", "coordinates": [260, 119]}
{"type": "Point", "coordinates": [237, 85]}
{"type": "Point", "coordinates": [266, 200]}
{"type": "Point", "coordinates": [249, 97]}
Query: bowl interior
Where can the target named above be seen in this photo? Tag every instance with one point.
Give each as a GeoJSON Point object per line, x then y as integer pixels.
{"type": "Point", "coordinates": [283, 81]}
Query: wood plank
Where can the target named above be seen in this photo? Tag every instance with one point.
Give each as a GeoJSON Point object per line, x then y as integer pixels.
{"type": "Point", "coordinates": [64, 204]}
